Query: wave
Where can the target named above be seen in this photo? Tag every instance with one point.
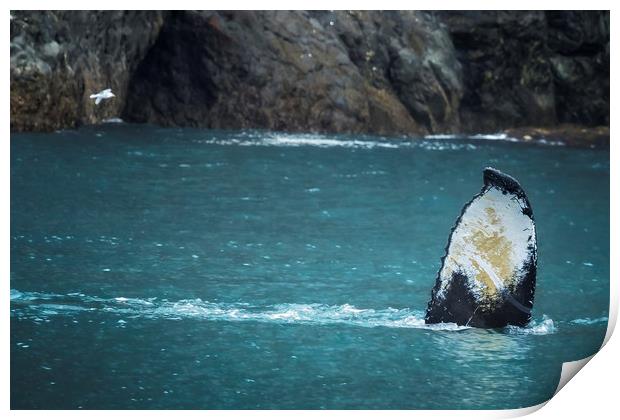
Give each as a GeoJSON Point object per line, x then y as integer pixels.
{"type": "Point", "coordinates": [497, 136]}
{"type": "Point", "coordinates": [271, 140]}
{"type": "Point", "coordinates": [502, 137]}
{"type": "Point", "coordinates": [589, 321]}
{"type": "Point", "coordinates": [433, 142]}
{"type": "Point", "coordinates": [113, 120]}
{"type": "Point", "coordinates": [543, 327]}
{"type": "Point", "coordinates": [40, 306]}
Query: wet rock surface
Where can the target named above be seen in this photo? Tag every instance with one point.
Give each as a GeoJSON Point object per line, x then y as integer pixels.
{"type": "Point", "coordinates": [579, 45]}
{"type": "Point", "coordinates": [296, 71]}
{"type": "Point", "coordinates": [410, 73]}
{"type": "Point", "coordinates": [564, 134]}
{"type": "Point", "coordinates": [59, 58]}
{"type": "Point", "coordinates": [531, 68]}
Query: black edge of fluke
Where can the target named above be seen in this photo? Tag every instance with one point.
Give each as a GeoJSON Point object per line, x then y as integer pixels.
{"type": "Point", "coordinates": [495, 178]}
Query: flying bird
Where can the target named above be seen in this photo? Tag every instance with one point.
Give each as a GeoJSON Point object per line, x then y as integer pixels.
{"type": "Point", "coordinates": [104, 94]}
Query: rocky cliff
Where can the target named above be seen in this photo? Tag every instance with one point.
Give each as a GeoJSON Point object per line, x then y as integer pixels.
{"type": "Point", "coordinates": [59, 58]}
{"type": "Point", "coordinates": [532, 68]}
{"type": "Point", "coordinates": [376, 72]}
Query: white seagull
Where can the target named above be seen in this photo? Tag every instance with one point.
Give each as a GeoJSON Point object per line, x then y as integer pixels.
{"type": "Point", "coordinates": [104, 94]}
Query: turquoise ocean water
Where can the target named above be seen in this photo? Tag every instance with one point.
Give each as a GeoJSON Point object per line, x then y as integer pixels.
{"type": "Point", "coordinates": [186, 268]}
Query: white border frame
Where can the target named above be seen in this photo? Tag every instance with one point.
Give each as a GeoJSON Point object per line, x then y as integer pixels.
{"type": "Point", "coordinates": [592, 394]}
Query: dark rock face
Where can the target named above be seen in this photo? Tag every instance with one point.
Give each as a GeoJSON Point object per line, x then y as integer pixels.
{"type": "Point", "coordinates": [508, 77]}
{"type": "Point", "coordinates": [378, 72]}
{"type": "Point", "coordinates": [532, 68]}
{"type": "Point", "coordinates": [579, 44]}
{"type": "Point", "coordinates": [406, 54]}
{"type": "Point", "coordinates": [353, 72]}
{"type": "Point", "coordinates": [59, 58]}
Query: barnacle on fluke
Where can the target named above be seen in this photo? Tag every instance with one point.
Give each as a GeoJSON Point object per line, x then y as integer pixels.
{"type": "Point", "coordinates": [488, 275]}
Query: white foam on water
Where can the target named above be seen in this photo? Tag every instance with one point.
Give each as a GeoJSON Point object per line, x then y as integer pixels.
{"type": "Point", "coordinates": [551, 142]}
{"type": "Point", "coordinates": [502, 137]}
{"type": "Point", "coordinates": [441, 136]}
{"type": "Point", "coordinates": [42, 306]}
{"type": "Point", "coordinates": [497, 136]}
{"type": "Point", "coordinates": [113, 120]}
{"type": "Point", "coordinates": [135, 301]}
{"type": "Point", "coordinates": [325, 142]}
{"type": "Point", "coordinates": [543, 327]}
{"type": "Point", "coordinates": [494, 136]}
{"type": "Point", "coordinates": [300, 140]}
{"type": "Point", "coordinates": [31, 305]}
{"type": "Point", "coordinates": [589, 321]}
{"type": "Point", "coordinates": [16, 295]}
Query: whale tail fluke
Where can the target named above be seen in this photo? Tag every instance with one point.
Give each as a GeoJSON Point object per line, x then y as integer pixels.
{"type": "Point", "coordinates": [488, 275]}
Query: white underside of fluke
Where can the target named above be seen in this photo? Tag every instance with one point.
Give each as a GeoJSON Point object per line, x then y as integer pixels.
{"type": "Point", "coordinates": [491, 245]}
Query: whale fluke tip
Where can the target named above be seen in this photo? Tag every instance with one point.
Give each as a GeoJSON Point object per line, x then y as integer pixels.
{"type": "Point", "coordinates": [496, 178]}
